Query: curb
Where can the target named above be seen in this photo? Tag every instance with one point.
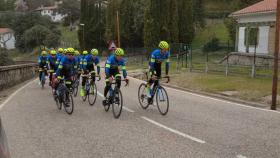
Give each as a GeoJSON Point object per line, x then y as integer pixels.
{"type": "Point", "coordinates": [218, 96]}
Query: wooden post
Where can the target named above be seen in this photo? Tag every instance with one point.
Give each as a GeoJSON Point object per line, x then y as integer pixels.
{"type": "Point", "coordinates": [118, 30]}
{"type": "Point", "coordinates": [276, 53]}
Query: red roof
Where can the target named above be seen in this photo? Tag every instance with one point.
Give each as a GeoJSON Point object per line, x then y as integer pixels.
{"type": "Point", "coordinates": [5, 30]}
{"type": "Point", "coordinates": [261, 7]}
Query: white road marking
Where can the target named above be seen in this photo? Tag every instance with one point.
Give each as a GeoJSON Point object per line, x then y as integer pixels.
{"type": "Point", "coordinates": [220, 100]}
{"type": "Point", "coordinates": [125, 108]}
{"type": "Point", "coordinates": [174, 131]}
{"type": "Point", "coordinates": [240, 156]}
{"type": "Point", "coordinates": [13, 94]}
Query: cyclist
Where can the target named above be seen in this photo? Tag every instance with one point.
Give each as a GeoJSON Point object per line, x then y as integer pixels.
{"type": "Point", "coordinates": [157, 57]}
{"type": "Point", "coordinates": [59, 54]}
{"type": "Point", "coordinates": [52, 64]}
{"type": "Point", "coordinates": [78, 62]}
{"type": "Point", "coordinates": [112, 70]}
{"type": "Point", "coordinates": [42, 62]}
{"type": "Point", "coordinates": [88, 68]}
{"type": "Point", "coordinates": [66, 69]}
{"type": "Point", "coordinates": [84, 54]}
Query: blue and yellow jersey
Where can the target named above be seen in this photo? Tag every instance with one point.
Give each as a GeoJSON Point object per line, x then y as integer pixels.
{"type": "Point", "coordinates": [112, 63]}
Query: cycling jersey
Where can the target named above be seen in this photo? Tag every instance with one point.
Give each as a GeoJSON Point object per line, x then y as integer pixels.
{"type": "Point", "coordinates": [42, 61]}
{"type": "Point", "coordinates": [89, 61]}
{"type": "Point", "coordinates": [52, 61]}
{"type": "Point", "coordinates": [113, 64]}
{"type": "Point", "coordinates": [156, 60]}
{"type": "Point", "coordinates": [67, 68]}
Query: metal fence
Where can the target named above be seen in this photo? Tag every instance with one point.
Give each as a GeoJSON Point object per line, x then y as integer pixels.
{"type": "Point", "coordinates": [184, 58]}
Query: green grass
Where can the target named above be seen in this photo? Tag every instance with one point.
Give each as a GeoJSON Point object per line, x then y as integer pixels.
{"type": "Point", "coordinates": [252, 89]}
{"type": "Point", "coordinates": [70, 37]}
{"type": "Point", "coordinates": [216, 29]}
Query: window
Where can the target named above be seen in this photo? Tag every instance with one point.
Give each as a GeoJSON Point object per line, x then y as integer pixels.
{"type": "Point", "coordinates": [252, 35]}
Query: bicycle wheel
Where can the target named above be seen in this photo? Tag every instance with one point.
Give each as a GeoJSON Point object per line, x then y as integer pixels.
{"type": "Point", "coordinates": [58, 102]}
{"type": "Point", "coordinates": [142, 96]}
{"type": "Point", "coordinates": [68, 104]}
{"type": "Point", "coordinates": [84, 98]}
{"type": "Point", "coordinates": [162, 100]}
{"type": "Point", "coordinates": [43, 80]}
{"type": "Point", "coordinates": [107, 107]}
{"type": "Point", "coordinates": [117, 103]}
{"type": "Point", "coordinates": [92, 94]}
{"type": "Point", "coordinates": [76, 88]}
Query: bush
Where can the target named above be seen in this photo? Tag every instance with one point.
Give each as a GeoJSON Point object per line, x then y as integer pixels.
{"type": "Point", "coordinates": [212, 45]}
{"type": "Point", "coordinates": [5, 59]}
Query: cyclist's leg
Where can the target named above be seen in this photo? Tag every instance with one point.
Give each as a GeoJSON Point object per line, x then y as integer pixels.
{"type": "Point", "coordinates": [107, 87]}
{"type": "Point", "coordinates": [82, 92]}
{"type": "Point", "coordinates": [40, 71]}
{"type": "Point", "coordinates": [118, 79]}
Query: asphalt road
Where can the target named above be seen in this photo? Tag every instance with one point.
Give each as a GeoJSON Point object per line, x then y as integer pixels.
{"type": "Point", "coordinates": [195, 127]}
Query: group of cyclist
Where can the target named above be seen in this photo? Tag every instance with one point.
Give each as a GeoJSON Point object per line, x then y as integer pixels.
{"type": "Point", "coordinates": [68, 65]}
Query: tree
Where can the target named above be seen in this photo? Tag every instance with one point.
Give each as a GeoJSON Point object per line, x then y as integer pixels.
{"type": "Point", "coordinates": [131, 23]}
{"type": "Point", "coordinates": [71, 8]}
{"type": "Point", "coordinates": [24, 22]}
{"type": "Point", "coordinates": [151, 24]}
{"type": "Point", "coordinates": [2, 5]}
{"type": "Point", "coordinates": [112, 8]}
{"type": "Point", "coordinates": [10, 4]}
{"type": "Point", "coordinates": [173, 21]}
{"type": "Point", "coordinates": [40, 35]}
{"type": "Point", "coordinates": [93, 18]}
{"type": "Point", "coordinates": [198, 13]}
{"type": "Point", "coordinates": [185, 22]}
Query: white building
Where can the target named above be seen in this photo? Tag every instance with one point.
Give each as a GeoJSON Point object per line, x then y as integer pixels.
{"type": "Point", "coordinates": [52, 12]}
{"type": "Point", "coordinates": [7, 39]}
{"type": "Point", "coordinates": [256, 28]}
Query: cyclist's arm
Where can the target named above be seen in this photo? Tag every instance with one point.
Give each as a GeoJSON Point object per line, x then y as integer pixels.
{"type": "Point", "coordinates": [107, 67]}
{"type": "Point", "coordinates": [167, 64]}
{"type": "Point", "coordinates": [58, 71]}
{"type": "Point", "coordinates": [97, 63]}
{"type": "Point", "coordinates": [152, 64]}
{"type": "Point", "coordinates": [84, 64]}
{"type": "Point", "coordinates": [123, 65]}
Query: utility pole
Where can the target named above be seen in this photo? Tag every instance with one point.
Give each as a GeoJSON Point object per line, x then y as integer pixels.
{"type": "Point", "coordinates": [118, 30]}
{"type": "Point", "coordinates": [276, 53]}
{"type": "Point", "coordinates": [83, 25]}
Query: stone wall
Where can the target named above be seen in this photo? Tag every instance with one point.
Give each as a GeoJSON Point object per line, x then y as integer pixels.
{"type": "Point", "coordinates": [11, 75]}
{"type": "Point", "coordinates": [236, 58]}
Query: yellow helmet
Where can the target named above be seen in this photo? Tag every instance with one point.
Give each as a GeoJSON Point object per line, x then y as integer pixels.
{"type": "Point", "coordinates": [60, 50]}
{"type": "Point", "coordinates": [64, 51]}
{"type": "Point", "coordinates": [163, 45]}
{"type": "Point", "coordinates": [70, 51]}
{"type": "Point", "coordinates": [119, 52]}
{"type": "Point", "coordinates": [77, 52]}
{"type": "Point", "coordinates": [85, 52]}
{"type": "Point", "coordinates": [94, 52]}
{"type": "Point", "coordinates": [53, 52]}
{"type": "Point", "coordinates": [44, 53]}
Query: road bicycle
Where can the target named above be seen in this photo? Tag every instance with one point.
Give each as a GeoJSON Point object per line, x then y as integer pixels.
{"type": "Point", "coordinates": [90, 88]}
{"type": "Point", "coordinates": [114, 99]}
{"type": "Point", "coordinates": [63, 96]}
{"type": "Point", "coordinates": [158, 94]}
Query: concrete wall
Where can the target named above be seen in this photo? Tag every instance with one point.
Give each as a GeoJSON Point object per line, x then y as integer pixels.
{"type": "Point", "coordinates": [11, 75]}
{"type": "Point", "coordinates": [237, 58]}
{"type": "Point", "coordinates": [262, 47]}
